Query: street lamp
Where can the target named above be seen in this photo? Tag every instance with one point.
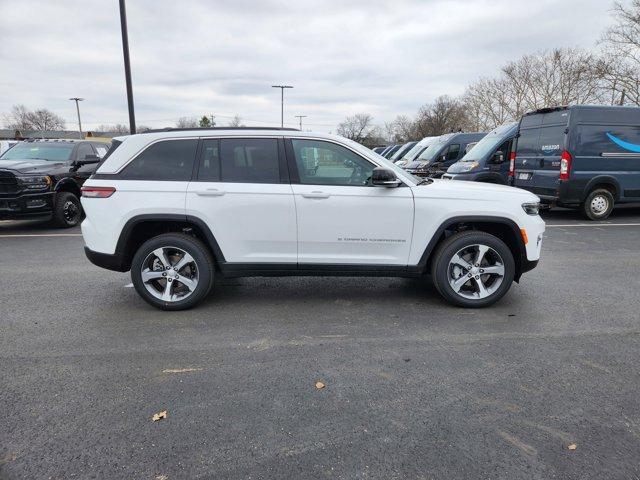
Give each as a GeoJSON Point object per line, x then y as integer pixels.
{"type": "Point", "coordinates": [300, 117]}
{"type": "Point", "coordinates": [281, 87]}
{"type": "Point", "coordinates": [127, 65]}
{"type": "Point", "coordinates": [77, 100]}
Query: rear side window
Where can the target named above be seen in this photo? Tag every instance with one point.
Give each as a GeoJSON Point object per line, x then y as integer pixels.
{"type": "Point", "coordinates": [249, 160]}
{"type": "Point", "coordinates": [168, 160]}
{"type": "Point", "coordinates": [209, 170]}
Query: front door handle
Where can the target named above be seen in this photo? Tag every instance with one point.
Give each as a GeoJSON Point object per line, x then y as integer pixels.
{"type": "Point", "coordinates": [316, 194]}
{"type": "Point", "coordinates": [210, 192]}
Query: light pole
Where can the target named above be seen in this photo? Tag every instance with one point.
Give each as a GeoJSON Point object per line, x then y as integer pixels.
{"type": "Point", "coordinates": [300, 117]}
{"type": "Point", "coordinates": [78, 99]}
{"type": "Point", "coordinates": [281, 87]}
{"type": "Point", "coordinates": [127, 65]}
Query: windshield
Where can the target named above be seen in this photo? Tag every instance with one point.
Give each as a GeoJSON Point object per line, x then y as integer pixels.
{"type": "Point", "coordinates": [488, 144]}
{"type": "Point", "coordinates": [50, 152]}
{"type": "Point", "coordinates": [432, 150]}
{"type": "Point", "coordinates": [402, 151]}
{"type": "Point", "coordinates": [418, 148]}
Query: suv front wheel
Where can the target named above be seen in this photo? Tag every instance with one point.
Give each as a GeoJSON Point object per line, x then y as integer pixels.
{"type": "Point", "coordinates": [473, 269]}
{"type": "Point", "coordinates": [172, 271]}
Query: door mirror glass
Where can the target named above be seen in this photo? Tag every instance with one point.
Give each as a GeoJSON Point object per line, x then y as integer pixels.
{"type": "Point", "coordinates": [383, 177]}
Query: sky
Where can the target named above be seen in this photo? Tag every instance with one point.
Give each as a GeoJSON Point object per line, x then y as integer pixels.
{"type": "Point", "coordinates": [195, 57]}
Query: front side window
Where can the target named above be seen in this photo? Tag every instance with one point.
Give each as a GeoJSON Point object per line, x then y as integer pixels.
{"type": "Point", "coordinates": [326, 163]}
{"type": "Point", "coordinates": [452, 152]}
{"type": "Point", "coordinates": [167, 160]}
{"type": "Point", "coordinates": [84, 149]}
{"type": "Point", "coordinates": [249, 160]}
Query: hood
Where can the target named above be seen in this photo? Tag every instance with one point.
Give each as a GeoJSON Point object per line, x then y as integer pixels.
{"type": "Point", "coordinates": [473, 191]}
{"type": "Point", "coordinates": [29, 166]}
{"type": "Point", "coordinates": [462, 167]}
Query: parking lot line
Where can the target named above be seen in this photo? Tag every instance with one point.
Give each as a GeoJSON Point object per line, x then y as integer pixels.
{"type": "Point", "coordinates": [594, 225]}
{"type": "Point", "coordinates": [19, 235]}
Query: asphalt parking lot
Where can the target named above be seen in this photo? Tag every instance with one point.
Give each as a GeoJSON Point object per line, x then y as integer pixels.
{"type": "Point", "coordinates": [415, 388]}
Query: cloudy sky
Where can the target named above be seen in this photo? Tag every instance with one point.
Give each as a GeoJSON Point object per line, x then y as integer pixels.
{"type": "Point", "coordinates": [195, 57]}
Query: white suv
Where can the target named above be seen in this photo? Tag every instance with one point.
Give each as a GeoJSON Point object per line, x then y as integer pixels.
{"type": "Point", "coordinates": [177, 207]}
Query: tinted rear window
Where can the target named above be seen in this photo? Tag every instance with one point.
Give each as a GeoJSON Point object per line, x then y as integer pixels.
{"type": "Point", "coordinates": [551, 140]}
{"type": "Point", "coordinates": [249, 160]}
{"type": "Point", "coordinates": [169, 160]}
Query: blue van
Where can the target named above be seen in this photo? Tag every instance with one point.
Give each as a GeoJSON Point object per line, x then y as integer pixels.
{"type": "Point", "coordinates": [580, 156]}
{"type": "Point", "coordinates": [488, 160]}
{"type": "Point", "coordinates": [441, 153]}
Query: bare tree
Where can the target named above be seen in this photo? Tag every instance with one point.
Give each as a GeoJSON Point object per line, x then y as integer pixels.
{"type": "Point", "coordinates": [187, 122]}
{"type": "Point", "coordinates": [620, 66]}
{"type": "Point", "coordinates": [204, 122]}
{"type": "Point", "coordinates": [562, 76]}
{"type": "Point", "coordinates": [117, 128]}
{"type": "Point", "coordinates": [21, 118]}
{"type": "Point", "coordinates": [236, 121]}
{"type": "Point", "coordinates": [360, 128]}
{"type": "Point", "coordinates": [400, 130]}
{"type": "Point", "coordinates": [444, 115]}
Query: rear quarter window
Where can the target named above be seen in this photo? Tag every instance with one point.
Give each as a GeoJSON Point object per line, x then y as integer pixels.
{"type": "Point", "coordinates": [167, 160]}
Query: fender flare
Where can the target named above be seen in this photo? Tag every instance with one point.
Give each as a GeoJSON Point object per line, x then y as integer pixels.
{"type": "Point", "coordinates": [67, 181]}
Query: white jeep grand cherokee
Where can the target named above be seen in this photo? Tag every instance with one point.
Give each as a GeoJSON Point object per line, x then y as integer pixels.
{"type": "Point", "coordinates": [177, 207]}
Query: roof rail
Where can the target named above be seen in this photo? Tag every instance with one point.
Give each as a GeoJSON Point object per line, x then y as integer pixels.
{"type": "Point", "coordinates": [204, 129]}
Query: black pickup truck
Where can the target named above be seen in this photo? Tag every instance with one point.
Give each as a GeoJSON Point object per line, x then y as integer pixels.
{"type": "Point", "coordinates": [42, 179]}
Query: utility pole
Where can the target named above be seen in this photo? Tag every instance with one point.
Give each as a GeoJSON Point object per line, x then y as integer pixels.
{"type": "Point", "coordinates": [300, 117]}
{"type": "Point", "coordinates": [78, 99]}
{"type": "Point", "coordinates": [281, 87]}
{"type": "Point", "coordinates": [127, 66]}
{"type": "Point", "coordinates": [213, 123]}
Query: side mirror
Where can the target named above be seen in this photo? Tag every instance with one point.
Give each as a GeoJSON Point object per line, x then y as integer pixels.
{"type": "Point", "coordinates": [498, 157]}
{"type": "Point", "coordinates": [383, 177]}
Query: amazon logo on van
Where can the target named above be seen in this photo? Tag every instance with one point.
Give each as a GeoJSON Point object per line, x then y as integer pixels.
{"type": "Point", "coordinates": [631, 147]}
{"type": "Point", "coordinates": [549, 148]}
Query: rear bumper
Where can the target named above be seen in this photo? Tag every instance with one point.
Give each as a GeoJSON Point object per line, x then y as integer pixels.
{"type": "Point", "coordinates": [106, 260]}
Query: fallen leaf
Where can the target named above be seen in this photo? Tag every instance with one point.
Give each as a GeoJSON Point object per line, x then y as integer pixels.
{"type": "Point", "coordinates": [159, 416]}
{"type": "Point", "coordinates": [319, 385]}
{"type": "Point", "coordinates": [573, 446]}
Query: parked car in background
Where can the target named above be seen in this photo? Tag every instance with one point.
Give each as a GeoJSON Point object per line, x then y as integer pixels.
{"type": "Point", "coordinates": [585, 157]}
{"type": "Point", "coordinates": [379, 149]}
{"type": "Point", "coordinates": [42, 179]}
{"type": "Point", "coordinates": [417, 149]}
{"type": "Point", "coordinates": [442, 153]}
{"type": "Point", "coordinates": [7, 144]}
{"type": "Point", "coordinates": [166, 205]}
{"type": "Point", "coordinates": [402, 151]}
{"type": "Point", "coordinates": [389, 153]}
{"type": "Point", "coordinates": [386, 149]}
{"type": "Point", "coordinates": [488, 160]}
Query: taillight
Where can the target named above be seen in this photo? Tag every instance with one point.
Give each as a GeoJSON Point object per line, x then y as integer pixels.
{"type": "Point", "coordinates": [97, 192]}
{"type": "Point", "coordinates": [565, 165]}
{"type": "Point", "coordinates": [512, 164]}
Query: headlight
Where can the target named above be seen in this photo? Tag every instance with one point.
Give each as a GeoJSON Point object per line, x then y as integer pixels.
{"type": "Point", "coordinates": [468, 166]}
{"type": "Point", "coordinates": [35, 182]}
{"type": "Point", "coordinates": [532, 208]}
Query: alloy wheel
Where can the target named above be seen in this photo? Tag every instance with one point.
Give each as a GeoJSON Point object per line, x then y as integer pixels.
{"type": "Point", "coordinates": [476, 271]}
{"type": "Point", "coordinates": [169, 274]}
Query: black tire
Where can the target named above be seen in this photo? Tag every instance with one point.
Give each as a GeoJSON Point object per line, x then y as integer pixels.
{"type": "Point", "coordinates": [67, 210]}
{"type": "Point", "coordinates": [203, 262]}
{"type": "Point", "coordinates": [440, 271]}
{"type": "Point", "coordinates": [598, 205]}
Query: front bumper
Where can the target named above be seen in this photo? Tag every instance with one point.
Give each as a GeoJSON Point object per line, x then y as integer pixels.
{"type": "Point", "coordinates": [28, 205]}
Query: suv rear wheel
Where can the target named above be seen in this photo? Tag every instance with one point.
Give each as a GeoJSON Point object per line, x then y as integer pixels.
{"type": "Point", "coordinates": [598, 204]}
{"type": "Point", "coordinates": [473, 269]}
{"type": "Point", "coordinates": [172, 271]}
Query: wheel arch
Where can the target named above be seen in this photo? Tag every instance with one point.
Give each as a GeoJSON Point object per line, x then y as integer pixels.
{"type": "Point", "coordinates": [141, 228]}
{"type": "Point", "coordinates": [504, 228]}
{"type": "Point", "coordinates": [605, 181]}
{"type": "Point", "coordinates": [68, 185]}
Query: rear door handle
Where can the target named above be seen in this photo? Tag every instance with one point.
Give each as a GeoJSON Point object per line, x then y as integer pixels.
{"type": "Point", "coordinates": [316, 194]}
{"type": "Point", "coordinates": [210, 192]}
